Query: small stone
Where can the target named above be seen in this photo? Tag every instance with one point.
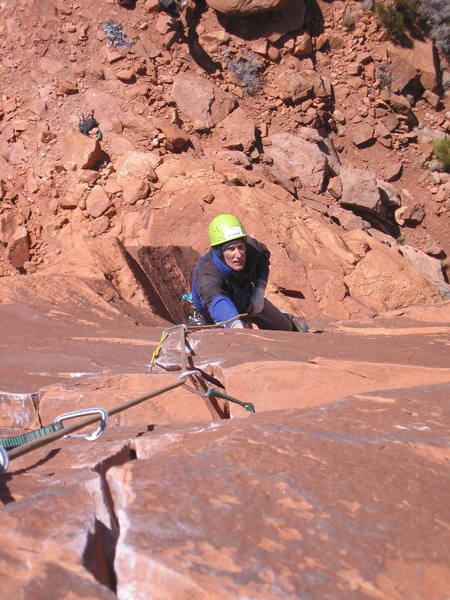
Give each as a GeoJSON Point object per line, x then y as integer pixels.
{"type": "Point", "coordinates": [393, 171]}
{"type": "Point", "coordinates": [126, 75]}
{"type": "Point", "coordinates": [97, 202]}
{"type": "Point", "coordinates": [273, 53]}
{"type": "Point", "coordinates": [99, 226]}
{"type": "Point", "coordinates": [18, 250]}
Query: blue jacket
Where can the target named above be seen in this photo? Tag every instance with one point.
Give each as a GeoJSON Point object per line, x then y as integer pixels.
{"type": "Point", "coordinates": [219, 292]}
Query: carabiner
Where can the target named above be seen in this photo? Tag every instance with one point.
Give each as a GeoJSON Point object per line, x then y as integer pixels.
{"type": "Point", "coordinates": [4, 460]}
{"type": "Point", "coordinates": [185, 374]}
{"type": "Point", "coordinates": [81, 413]}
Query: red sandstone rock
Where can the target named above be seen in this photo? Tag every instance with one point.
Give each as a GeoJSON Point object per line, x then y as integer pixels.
{"type": "Point", "coordinates": [210, 541]}
{"type": "Point", "coordinates": [97, 201]}
{"type": "Point", "coordinates": [7, 227]}
{"type": "Point", "coordinates": [359, 188]}
{"type": "Point", "coordinates": [239, 130]}
{"type": "Point", "coordinates": [81, 150]}
{"type": "Point", "coordinates": [295, 157]}
{"type": "Point", "coordinates": [394, 286]}
{"type": "Point", "coordinates": [201, 100]}
{"type": "Point", "coordinates": [407, 62]}
{"type": "Point", "coordinates": [238, 7]}
{"type": "Point", "coordinates": [18, 250]}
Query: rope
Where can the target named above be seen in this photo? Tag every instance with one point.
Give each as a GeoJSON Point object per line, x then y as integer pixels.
{"type": "Point", "coordinates": [22, 444]}
{"type": "Point", "coordinates": [37, 443]}
{"type": "Point", "coordinates": [19, 440]}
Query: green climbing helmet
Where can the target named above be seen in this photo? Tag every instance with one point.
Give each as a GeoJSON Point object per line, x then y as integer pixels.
{"type": "Point", "coordinates": [225, 228]}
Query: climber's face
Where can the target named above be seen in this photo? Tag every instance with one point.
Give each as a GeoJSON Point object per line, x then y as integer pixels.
{"type": "Point", "coordinates": [234, 256]}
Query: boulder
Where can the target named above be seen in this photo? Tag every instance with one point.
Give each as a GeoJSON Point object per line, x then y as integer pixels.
{"type": "Point", "coordinates": [402, 73]}
{"type": "Point", "coordinates": [389, 195]}
{"type": "Point", "coordinates": [134, 166]}
{"type": "Point", "coordinates": [300, 85]}
{"type": "Point", "coordinates": [361, 134]}
{"type": "Point", "coordinates": [235, 157]}
{"type": "Point", "coordinates": [97, 201]}
{"type": "Point", "coordinates": [409, 62]}
{"type": "Point", "coordinates": [360, 190]}
{"type": "Point", "coordinates": [246, 7]}
{"type": "Point", "coordinates": [239, 130]}
{"type": "Point", "coordinates": [177, 139]}
{"type": "Point", "coordinates": [393, 171]}
{"type": "Point", "coordinates": [411, 214]}
{"type": "Point", "coordinates": [18, 249]}
{"type": "Point", "coordinates": [201, 100]}
{"type": "Point", "coordinates": [431, 268]}
{"type": "Point", "coordinates": [80, 150]}
{"type": "Point", "coordinates": [296, 157]}
{"type": "Point", "coordinates": [346, 218]}
{"type": "Point", "coordinates": [303, 45]}
{"type": "Point", "coordinates": [135, 190]}
{"type": "Point", "coordinates": [107, 106]}
{"type": "Point", "coordinates": [7, 227]}
{"type": "Point", "coordinates": [384, 280]}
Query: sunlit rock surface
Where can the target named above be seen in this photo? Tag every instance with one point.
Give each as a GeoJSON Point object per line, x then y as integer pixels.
{"type": "Point", "coordinates": [336, 488]}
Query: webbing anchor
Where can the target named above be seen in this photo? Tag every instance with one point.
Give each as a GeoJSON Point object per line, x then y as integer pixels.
{"type": "Point", "coordinates": [249, 406]}
{"type": "Point", "coordinates": [81, 413]}
{"type": "Point", "coordinates": [4, 460]}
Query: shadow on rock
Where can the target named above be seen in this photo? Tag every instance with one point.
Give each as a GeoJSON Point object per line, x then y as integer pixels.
{"type": "Point", "coordinates": [196, 50]}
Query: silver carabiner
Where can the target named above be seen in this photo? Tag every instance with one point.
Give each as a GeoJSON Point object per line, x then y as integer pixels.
{"type": "Point", "coordinates": [81, 413]}
{"type": "Point", "coordinates": [185, 374]}
{"type": "Point", "coordinates": [4, 460]}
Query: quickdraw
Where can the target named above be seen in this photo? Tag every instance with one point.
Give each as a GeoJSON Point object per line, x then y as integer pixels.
{"type": "Point", "coordinates": [18, 445]}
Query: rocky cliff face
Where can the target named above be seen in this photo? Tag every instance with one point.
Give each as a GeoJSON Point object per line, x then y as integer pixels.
{"type": "Point", "coordinates": [304, 119]}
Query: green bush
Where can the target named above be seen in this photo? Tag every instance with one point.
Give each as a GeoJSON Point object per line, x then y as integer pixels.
{"type": "Point", "coordinates": [409, 9]}
{"type": "Point", "coordinates": [441, 150]}
{"type": "Point", "coordinates": [429, 17]}
{"type": "Point", "coordinates": [391, 18]}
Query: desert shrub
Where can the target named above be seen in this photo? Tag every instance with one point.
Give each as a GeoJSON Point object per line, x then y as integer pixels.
{"type": "Point", "coordinates": [247, 70]}
{"type": "Point", "coordinates": [391, 18]}
{"type": "Point", "coordinates": [441, 150]}
{"type": "Point", "coordinates": [446, 80]}
{"type": "Point", "coordinates": [419, 16]}
{"type": "Point", "coordinates": [409, 9]}
{"type": "Point", "coordinates": [383, 74]}
{"type": "Point", "coordinates": [436, 17]}
{"type": "Point", "coordinates": [349, 19]}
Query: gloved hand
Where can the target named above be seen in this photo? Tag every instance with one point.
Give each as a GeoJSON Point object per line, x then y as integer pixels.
{"type": "Point", "coordinates": [256, 304]}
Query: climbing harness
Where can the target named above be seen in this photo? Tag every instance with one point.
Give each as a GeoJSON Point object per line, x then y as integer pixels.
{"type": "Point", "coordinates": [18, 445]}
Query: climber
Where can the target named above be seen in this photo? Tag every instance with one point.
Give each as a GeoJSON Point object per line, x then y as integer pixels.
{"type": "Point", "coordinates": [230, 279]}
